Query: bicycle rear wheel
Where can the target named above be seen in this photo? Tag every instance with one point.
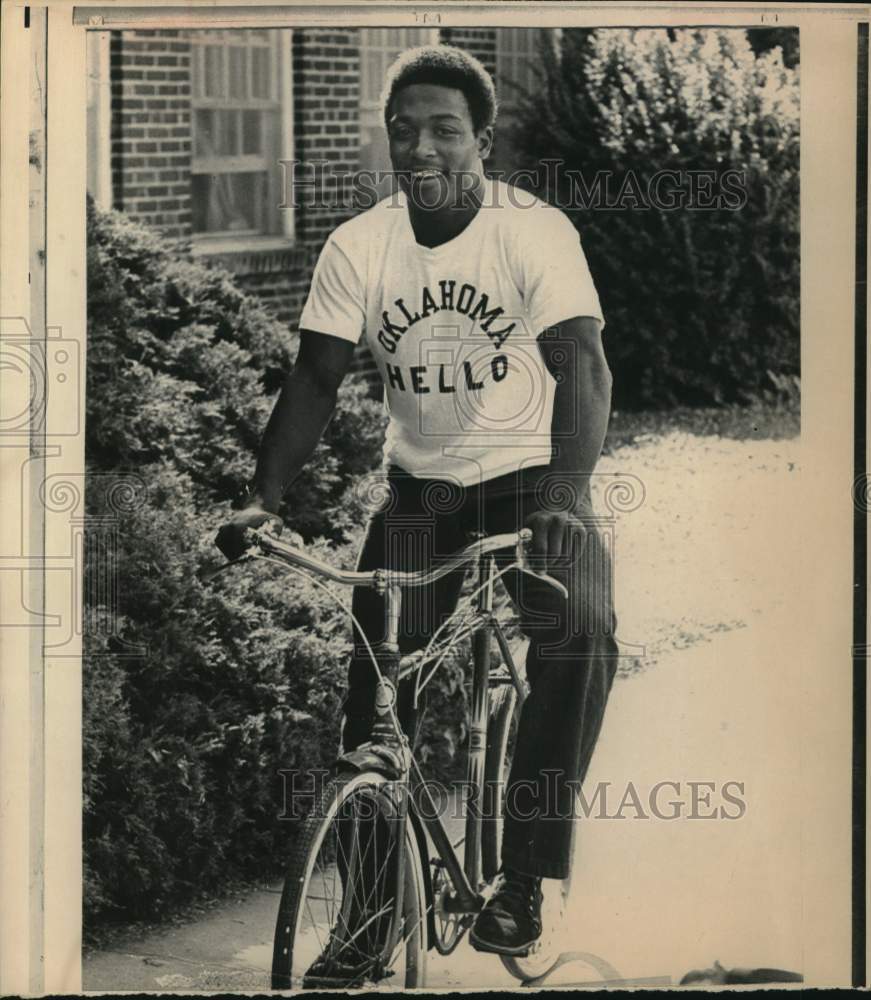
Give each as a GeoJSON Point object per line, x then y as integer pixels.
{"type": "Point", "coordinates": [338, 907]}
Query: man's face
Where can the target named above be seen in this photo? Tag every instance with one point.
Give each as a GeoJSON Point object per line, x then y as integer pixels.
{"type": "Point", "coordinates": [434, 145]}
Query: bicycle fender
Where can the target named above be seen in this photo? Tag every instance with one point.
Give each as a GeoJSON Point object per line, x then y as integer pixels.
{"type": "Point", "coordinates": [370, 757]}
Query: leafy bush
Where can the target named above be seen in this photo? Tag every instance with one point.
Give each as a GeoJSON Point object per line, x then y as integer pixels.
{"type": "Point", "coordinates": [201, 694]}
{"type": "Point", "coordinates": [700, 303]}
{"type": "Point", "coordinates": [194, 705]}
{"type": "Point", "coordinates": [183, 368]}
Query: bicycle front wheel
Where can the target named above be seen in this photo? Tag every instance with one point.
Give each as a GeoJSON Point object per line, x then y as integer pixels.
{"type": "Point", "coordinates": [338, 911]}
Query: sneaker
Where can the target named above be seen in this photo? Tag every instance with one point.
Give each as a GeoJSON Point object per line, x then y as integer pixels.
{"type": "Point", "coordinates": [510, 922]}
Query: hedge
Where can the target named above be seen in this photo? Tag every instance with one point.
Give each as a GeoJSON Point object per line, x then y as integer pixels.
{"type": "Point", "coordinates": [701, 302]}
{"type": "Point", "coordinates": [202, 693]}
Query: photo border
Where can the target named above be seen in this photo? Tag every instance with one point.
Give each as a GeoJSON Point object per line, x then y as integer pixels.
{"type": "Point", "coordinates": [40, 710]}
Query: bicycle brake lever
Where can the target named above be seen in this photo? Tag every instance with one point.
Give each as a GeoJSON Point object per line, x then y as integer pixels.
{"type": "Point", "coordinates": [546, 578]}
{"type": "Point", "coordinates": [522, 562]}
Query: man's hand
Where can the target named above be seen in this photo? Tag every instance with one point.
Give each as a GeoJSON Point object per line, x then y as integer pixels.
{"type": "Point", "coordinates": [554, 533]}
{"type": "Point", "coordinates": [230, 537]}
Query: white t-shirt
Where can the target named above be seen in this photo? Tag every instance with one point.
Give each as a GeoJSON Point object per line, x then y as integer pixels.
{"type": "Point", "coordinates": [453, 328]}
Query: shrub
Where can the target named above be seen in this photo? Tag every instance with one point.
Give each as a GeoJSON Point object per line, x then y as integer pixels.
{"type": "Point", "coordinates": [193, 706]}
{"type": "Point", "coordinates": [201, 693]}
{"type": "Point", "coordinates": [183, 369]}
{"type": "Point", "coordinates": [699, 304]}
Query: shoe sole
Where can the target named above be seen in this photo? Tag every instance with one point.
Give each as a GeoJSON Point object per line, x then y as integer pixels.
{"type": "Point", "coordinates": [518, 951]}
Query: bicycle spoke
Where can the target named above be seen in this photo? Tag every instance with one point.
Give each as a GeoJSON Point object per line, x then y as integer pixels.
{"type": "Point", "coordinates": [382, 904]}
{"type": "Point", "coordinates": [405, 935]}
{"type": "Point", "coordinates": [351, 868]}
{"type": "Point", "coordinates": [314, 924]}
{"type": "Point", "coordinates": [364, 851]}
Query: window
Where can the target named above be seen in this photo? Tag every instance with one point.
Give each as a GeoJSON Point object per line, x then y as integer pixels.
{"type": "Point", "coordinates": [241, 84]}
{"type": "Point", "coordinates": [516, 57]}
{"type": "Point", "coordinates": [378, 48]}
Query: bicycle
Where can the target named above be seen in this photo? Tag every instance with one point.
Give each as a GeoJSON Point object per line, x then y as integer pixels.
{"type": "Point", "coordinates": [363, 899]}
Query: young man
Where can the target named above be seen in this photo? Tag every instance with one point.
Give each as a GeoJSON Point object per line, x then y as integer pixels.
{"type": "Point", "coordinates": [483, 319]}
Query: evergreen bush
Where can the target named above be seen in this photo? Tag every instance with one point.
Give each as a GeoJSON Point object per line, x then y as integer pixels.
{"type": "Point", "coordinates": [700, 302]}
{"type": "Point", "coordinates": [201, 693]}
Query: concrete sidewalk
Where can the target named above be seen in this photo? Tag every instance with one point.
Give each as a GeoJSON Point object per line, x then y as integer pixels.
{"type": "Point", "coordinates": [655, 895]}
{"type": "Point", "coordinates": [652, 897]}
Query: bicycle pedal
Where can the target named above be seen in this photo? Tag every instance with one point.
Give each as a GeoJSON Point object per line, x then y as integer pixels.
{"type": "Point", "coordinates": [451, 904]}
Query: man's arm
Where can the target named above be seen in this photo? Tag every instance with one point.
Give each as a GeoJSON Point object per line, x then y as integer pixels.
{"type": "Point", "coordinates": [573, 354]}
{"type": "Point", "coordinates": [298, 420]}
{"type": "Point", "coordinates": [301, 414]}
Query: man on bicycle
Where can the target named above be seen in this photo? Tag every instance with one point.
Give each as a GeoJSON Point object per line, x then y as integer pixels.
{"type": "Point", "coordinates": [485, 325]}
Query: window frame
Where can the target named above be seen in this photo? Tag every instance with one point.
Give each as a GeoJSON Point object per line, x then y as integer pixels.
{"type": "Point", "coordinates": [370, 106]}
{"type": "Point", "coordinates": [509, 97]}
{"type": "Point", "coordinates": [280, 231]}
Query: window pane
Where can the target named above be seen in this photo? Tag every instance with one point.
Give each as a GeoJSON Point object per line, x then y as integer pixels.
{"type": "Point", "coordinates": [260, 73]}
{"type": "Point", "coordinates": [204, 133]}
{"type": "Point", "coordinates": [252, 131]}
{"type": "Point", "coordinates": [378, 48]}
{"type": "Point", "coordinates": [231, 137]}
{"type": "Point", "coordinates": [515, 60]}
{"type": "Point", "coordinates": [238, 72]}
{"type": "Point", "coordinates": [226, 202]}
{"type": "Point", "coordinates": [233, 93]}
{"type": "Point", "coordinates": [220, 133]}
{"type": "Point", "coordinates": [214, 72]}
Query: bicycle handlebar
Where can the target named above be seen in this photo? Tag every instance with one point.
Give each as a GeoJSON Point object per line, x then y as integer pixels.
{"type": "Point", "coordinates": [380, 578]}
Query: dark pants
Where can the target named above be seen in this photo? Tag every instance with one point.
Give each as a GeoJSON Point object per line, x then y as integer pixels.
{"type": "Point", "coordinates": [570, 664]}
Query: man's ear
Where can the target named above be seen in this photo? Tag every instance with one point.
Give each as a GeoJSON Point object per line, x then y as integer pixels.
{"type": "Point", "coordinates": [485, 141]}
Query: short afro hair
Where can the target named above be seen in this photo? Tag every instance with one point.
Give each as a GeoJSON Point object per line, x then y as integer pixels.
{"type": "Point", "coordinates": [445, 66]}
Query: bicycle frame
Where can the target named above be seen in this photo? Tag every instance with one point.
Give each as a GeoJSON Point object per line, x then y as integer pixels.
{"type": "Point", "coordinates": [465, 876]}
{"type": "Point", "coordinates": [388, 745]}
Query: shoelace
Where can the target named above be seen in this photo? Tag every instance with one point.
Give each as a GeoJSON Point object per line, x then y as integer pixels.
{"type": "Point", "coordinates": [526, 893]}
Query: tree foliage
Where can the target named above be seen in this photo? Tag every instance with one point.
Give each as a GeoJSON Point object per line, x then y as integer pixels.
{"type": "Point", "coordinates": [686, 143]}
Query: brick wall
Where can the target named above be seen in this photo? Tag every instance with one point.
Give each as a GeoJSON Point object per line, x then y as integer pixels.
{"type": "Point", "coordinates": [280, 278]}
{"type": "Point", "coordinates": [326, 72]}
{"type": "Point", "coordinates": [151, 128]}
{"type": "Point", "coordinates": [151, 149]}
{"type": "Point", "coordinates": [326, 83]}
{"type": "Point", "coordinates": [479, 42]}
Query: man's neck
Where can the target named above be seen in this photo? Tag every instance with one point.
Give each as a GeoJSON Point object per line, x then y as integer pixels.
{"type": "Point", "coordinates": [433, 227]}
